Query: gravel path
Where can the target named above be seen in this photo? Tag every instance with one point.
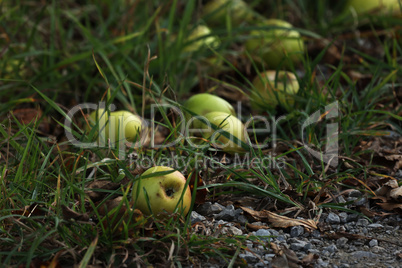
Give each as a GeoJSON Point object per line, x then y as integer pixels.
{"type": "Point", "coordinates": [341, 240]}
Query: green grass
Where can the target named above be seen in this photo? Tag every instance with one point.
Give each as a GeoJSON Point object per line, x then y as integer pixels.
{"type": "Point", "coordinates": [58, 54]}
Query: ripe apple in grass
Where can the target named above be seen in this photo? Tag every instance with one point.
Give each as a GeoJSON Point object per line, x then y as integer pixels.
{"type": "Point", "coordinates": [379, 6]}
{"type": "Point", "coordinates": [204, 103]}
{"type": "Point", "coordinates": [224, 122]}
{"type": "Point", "coordinates": [201, 38]}
{"type": "Point", "coordinates": [215, 12]}
{"type": "Point", "coordinates": [272, 88]}
{"type": "Point", "coordinates": [164, 192]}
{"type": "Point", "coordinates": [124, 125]}
{"type": "Point", "coordinates": [276, 47]}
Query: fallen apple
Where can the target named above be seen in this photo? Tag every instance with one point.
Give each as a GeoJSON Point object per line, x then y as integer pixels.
{"type": "Point", "coordinates": [224, 122]}
{"type": "Point", "coordinates": [201, 36]}
{"type": "Point", "coordinates": [276, 47]}
{"type": "Point", "coordinates": [377, 6]}
{"type": "Point", "coordinates": [204, 103]}
{"type": "Point", "coordinates": [124, 125]}
{"type": "Point", "coordinates": [272, 88]}
{"type": "Point", "coordinates": [164, 192]}
{"type": "Point", "coordinates": [216, 12]}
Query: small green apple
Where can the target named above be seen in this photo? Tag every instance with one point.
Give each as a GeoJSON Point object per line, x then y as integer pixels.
{"type": "Point", "coordinates": [225, 122]}
{"type": "Point", "coordinates": [201, 36]}
{"type": "Point", "coordinates": [276, 46]}
{"type": "Point", "coordinates": [124, 125]}
{"type": "Point", "coordinates": [204, 103]}
{"type": "Point", "coordinates": [378, 6]}
{"type": "Point", "coordinates": [273, 88]}
{"type": "Point", "coordinates": [164, 192]}
{"type": "Point", "coordinates": [215, 12]}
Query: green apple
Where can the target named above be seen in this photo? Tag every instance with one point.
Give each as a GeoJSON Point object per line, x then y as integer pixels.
{"type": "Point", "coordinates": [378, 6]}
{"type": "Point", "coordinates": [225, 122]}
{"type": "Point", "coordinates": [201, 36]}
{"type": "Point", "coordinates": [215, 12]}
{"type": "Point", "coordinates": [276, 46]}
{"type": "Point", "coordinates": [204, 103]}
{"type": "Point", "coordinates": [123, 125]}
{"type": "Point", "coordinates": [272, 88]}
{"type": "Point", "coordinates": [164, 192]}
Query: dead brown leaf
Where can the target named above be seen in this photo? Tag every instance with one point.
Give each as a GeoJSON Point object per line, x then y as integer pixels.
{"type": "Point", "coordinates": [278, 220]}
{"type": "Point", "coordinates": [396, 194]}
{"type": "Point", "coordinates": [70, 214]}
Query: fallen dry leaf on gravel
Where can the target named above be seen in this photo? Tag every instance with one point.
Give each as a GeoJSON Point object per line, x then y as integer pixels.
{"type": "Point", "coordinates": [278, 220]}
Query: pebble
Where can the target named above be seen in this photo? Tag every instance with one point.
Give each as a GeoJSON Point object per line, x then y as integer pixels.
{"type": "Point", "coordinates": [341, 242]}
{"type": "Point", "coordinates": [375, 225]}
{"type": "Point", "coordinates": [373, 243]}
{"type": "Point", "coordinates": [226, 215]}
{"type": "Point", "coordinates": [263, 234]}
{"type": "Point", "coordinates": [235, 231]}
{"type": "Point", "coordinates": [343, 216]}
{"type": "Point", "coordinates": [363, 254]}
{"type": "Point", "coordinates": [248, 257]}
{"type": "Point", "coordinates": [331, 248]}
{"type": "Point", "coordinates": [195, 217]}
{"type": "Point", "coordinates": [322, 263]}
{"type": "Point", "coordinates": [208, 209]}
{"type": "Point", "coordinates": [296, 231]}
{"type": "Point", "coordinates": [333, 218]}
{"type": "Point", "coordinates": [362, 222]}
{"type": "Point", "coordinates": [298, 246]}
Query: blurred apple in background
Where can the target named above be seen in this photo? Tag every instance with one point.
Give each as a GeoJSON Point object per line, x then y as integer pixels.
{"type": "Point", "coordinates": [164, 192]}
{"type": "Point", "coordinates": [216, 12]}
{"type": "Point", "coordinates": [201, 36]}
{"type": "Point", "coordinates": [272, 88]}
{"type": "Point", "coordinates": [276, 47]}
{"type": "Point", "coordinates": [376, 6]}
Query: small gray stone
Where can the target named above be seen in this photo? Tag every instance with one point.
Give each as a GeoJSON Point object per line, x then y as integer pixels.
{"type": "Point", "coordinates": [362, 222]}
{"type": "Point", "coordinates": [241, 219]}
{"type": "Point", "coordinates": [298, 246]}
{"type": "Point", "coordinates": [363, 254]}
{"type": "Point", "coordinates": [355, 193]}
{"type": "Point", "coordinates": [377, 249]}
{"type": "Point", "coordinates": [344, 265]}
{"type": "Point", "coordinates": [263, 234]}
{"type": "Point", "coordinates": [331, 248]}
{"type": "Point", "coordinates": [195, 217]}
{"type": "Point", "coordinates": [373, 243]}
{"type": "Point", "coordinates": [361, 201]}
{"type": "Point", "coordinates": [322, 263]}
{"type": "Point", "coordinates": [313, 251]}
{"type": "Point", "coordinates": [340, 199]}
{"type": "Point", "coordinates": [333, 218]}
{"type": "Point", "coordinates": [296, 231]}
{"type": "Point", "coordinates": [249, 257]}
{"type": "Point", "coordinates": [343, 216]}
{"type": "Point", "coordinates": [226, 215]}
{"type": "Point", "coordinates": [280, 238]}
{"type": "Point", "coordinates": [207, 209]}
{"type": "Point", "coordinates": [375, 225]}
{"type": "Point", "coordinates": [316, 234]}
{"type": "Point", "coordinates": [274, 232]}
{"type": "Point", "coordinates": [230, 207]}
{"type": "Point", "coordinates": [235, 231]}
{"type": "Point", "coordinates": [352, 217]}
{"type": "Point", "coordinates": [341, 242]}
